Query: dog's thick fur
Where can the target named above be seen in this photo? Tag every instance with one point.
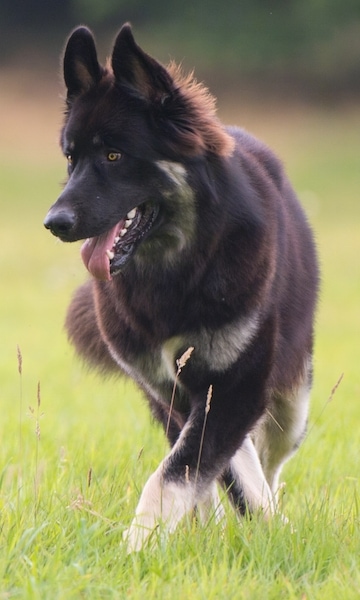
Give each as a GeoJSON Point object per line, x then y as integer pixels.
{"type": "Point", "coordinates": [194, 238]}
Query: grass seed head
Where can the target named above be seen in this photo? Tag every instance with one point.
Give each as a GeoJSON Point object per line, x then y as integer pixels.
{"type": "Point", "coordinates": [38, 395]}
{"type": "Point", "coordinates": [187, 474]}
{"type": "Point", "coordinates": [181, 362]}
{"type": "Point", "coordinates": [208, 399]}
{"type": "Point", "coordinates": [19, 357]}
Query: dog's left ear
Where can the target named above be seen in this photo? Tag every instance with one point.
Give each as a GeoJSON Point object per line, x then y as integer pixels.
{"type": "Point", "coordinates": [137, 70]}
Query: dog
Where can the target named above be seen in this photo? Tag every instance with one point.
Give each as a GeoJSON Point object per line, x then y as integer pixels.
{"type": "Point", "coordinates": [204, 277]}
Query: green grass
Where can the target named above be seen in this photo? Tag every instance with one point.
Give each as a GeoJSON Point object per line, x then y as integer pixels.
{"type": "Point", "coordinates": [66, 497]}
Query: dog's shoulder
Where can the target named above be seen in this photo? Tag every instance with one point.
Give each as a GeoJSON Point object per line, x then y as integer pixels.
{"type": "Point", "coordinates": [256, 155]}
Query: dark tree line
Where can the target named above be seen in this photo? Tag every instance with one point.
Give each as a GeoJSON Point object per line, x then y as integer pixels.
{"type": "Point", "coordinates": [316, 40]}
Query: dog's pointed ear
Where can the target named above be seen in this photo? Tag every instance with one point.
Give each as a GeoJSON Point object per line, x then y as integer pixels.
{"type": "Point", "coordinates": [137, 70]}
{"type": "Point", "coordinates": [81, 67]}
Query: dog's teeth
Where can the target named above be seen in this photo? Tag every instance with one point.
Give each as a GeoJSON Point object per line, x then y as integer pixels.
{"type": "Point", "coordinates": [110, 254]}
{"type": "Point", "coordinates": [122, 232]}
{"type": "Point", "coordinates": [131, 214]}
{"type": "Point", "coordinates": [116, 239]}
{"type": "Point", "coordinates": [128, 223]}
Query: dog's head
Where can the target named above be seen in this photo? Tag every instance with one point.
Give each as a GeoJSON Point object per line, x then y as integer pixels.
{"type": "Point", "coordinates": [132, 131]}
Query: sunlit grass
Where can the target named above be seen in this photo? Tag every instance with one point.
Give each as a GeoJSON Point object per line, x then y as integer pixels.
{"type": "Point", "coordinates": [66, 496]}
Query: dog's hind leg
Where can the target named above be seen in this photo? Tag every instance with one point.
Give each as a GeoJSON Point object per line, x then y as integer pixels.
{"type": "Point", "coordinates": [252, 478]}
{"type": "Point", "coordinates": [282, 430]}
{"type": "Point", "coordinates": [211, 507]}
{"type": "Point", "coordinates": [246, 483]}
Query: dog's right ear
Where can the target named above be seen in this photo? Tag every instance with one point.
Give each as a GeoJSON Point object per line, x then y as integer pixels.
{"type": "Point", "coordinates": [81, 67]}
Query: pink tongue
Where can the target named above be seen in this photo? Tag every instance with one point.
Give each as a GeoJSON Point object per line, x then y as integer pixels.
{"type": "Point", "coordinates": [93, 252]}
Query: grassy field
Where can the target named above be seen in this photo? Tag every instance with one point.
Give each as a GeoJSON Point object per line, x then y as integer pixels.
{"type": "Point", "coordinates": [75, 452]}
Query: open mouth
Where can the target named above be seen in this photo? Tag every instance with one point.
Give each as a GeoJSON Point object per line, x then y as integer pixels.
{"type": "Point", "coordinates": [105, 255]}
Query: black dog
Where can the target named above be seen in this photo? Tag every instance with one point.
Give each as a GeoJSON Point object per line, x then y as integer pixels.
{"type": "Point", "coordinates": [195, 239]}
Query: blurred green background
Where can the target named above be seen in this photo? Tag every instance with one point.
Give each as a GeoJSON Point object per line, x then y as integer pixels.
{"type": "Point", "coordinates": [312, 43]}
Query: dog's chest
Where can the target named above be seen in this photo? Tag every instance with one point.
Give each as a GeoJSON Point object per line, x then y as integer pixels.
{"type": "Point", "coordinates": [213, 351]}
{"type": "Point", "coordinates": [150, 366]}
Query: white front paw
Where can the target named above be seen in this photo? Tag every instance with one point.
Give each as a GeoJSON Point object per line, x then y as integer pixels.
{"type": "Point", "coordinates": [136, 536]}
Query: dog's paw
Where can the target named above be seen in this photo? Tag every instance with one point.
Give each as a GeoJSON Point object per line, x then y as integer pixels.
{"type": "Point", "coordinates": [137, 536]}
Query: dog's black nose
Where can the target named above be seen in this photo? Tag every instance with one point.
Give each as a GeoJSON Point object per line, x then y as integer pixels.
{"type": "Point", "coordinates": [60, 222]}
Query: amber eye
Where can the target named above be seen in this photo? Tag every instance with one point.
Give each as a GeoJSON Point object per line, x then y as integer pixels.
{"type": "Point", "coordinates": [69, 158]}
{"type": "Point", "coordinates": [112, 156]}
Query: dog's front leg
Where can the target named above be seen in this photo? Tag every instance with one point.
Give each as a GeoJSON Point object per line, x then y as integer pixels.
{"type": "Point", "coordinates": [165, 504]}
{"type": "Point", "coordinates": [181, 482]}
{"type": "Point", "coordinates": [171, 491]}
{"type": "Point", "coordinates": [161, 503]}
{"type": "Point", "coordinates": [207, 444]}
